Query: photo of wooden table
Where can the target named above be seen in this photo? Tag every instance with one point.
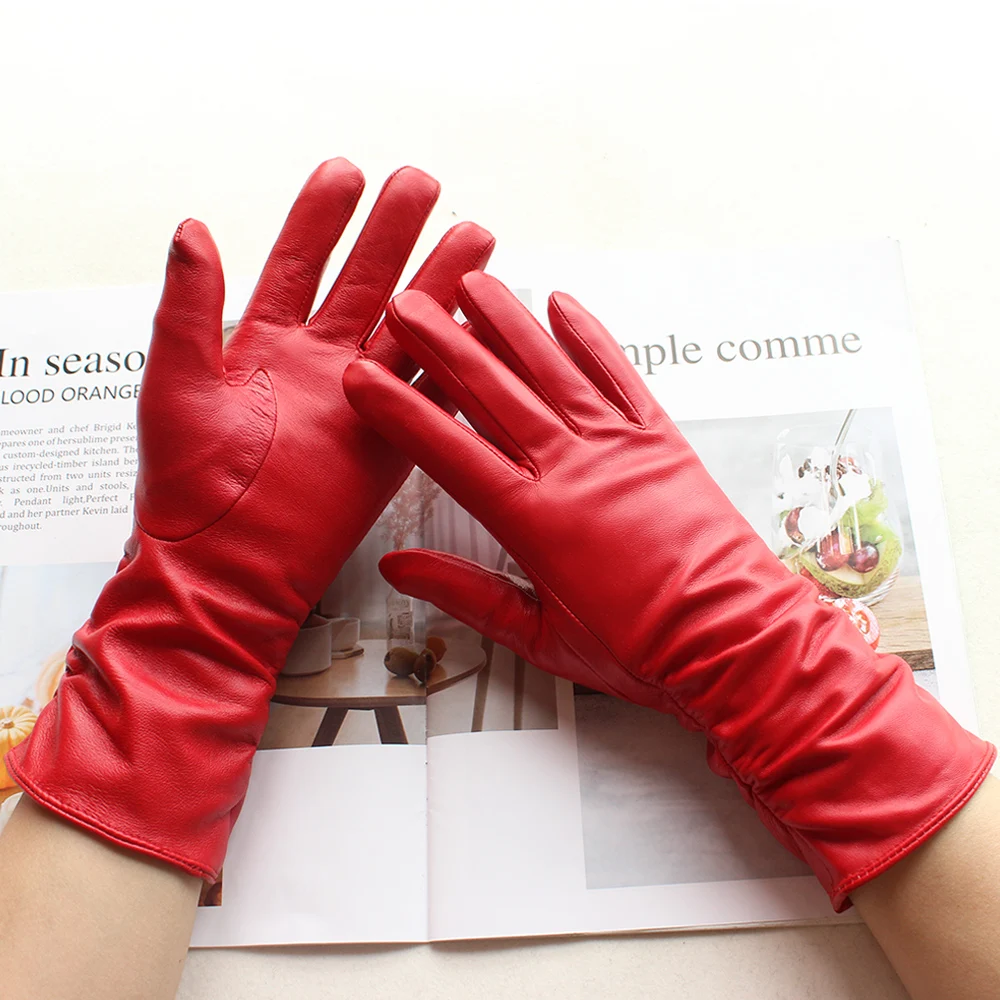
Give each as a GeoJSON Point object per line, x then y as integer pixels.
{"type": "Point", "coordinates": [903, 621]}
{"type": "Point", "coordinates": [362, 683]}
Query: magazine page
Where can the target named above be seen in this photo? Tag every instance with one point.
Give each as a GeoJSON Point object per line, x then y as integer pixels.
{"type": "Point", "coordinates": [551, 810]}
{"type": "Point", "coordinates": [567, 811]}
{"type": "Point", "coordinates": [331, 842]}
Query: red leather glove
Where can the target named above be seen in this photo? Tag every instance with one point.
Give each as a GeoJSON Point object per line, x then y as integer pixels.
{"type": "Point", "coordinates": [256, 481]}
{"type": "Point", "coordinates": [649, 585]}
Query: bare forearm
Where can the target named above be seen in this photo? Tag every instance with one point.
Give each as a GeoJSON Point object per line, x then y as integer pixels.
{"type": "Point", "coordinates": [82, 918]}
{"type": "Point", "coordinates": [936, 912]}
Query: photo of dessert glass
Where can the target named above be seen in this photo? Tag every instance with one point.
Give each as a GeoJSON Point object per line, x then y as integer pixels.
{"type": "Point", "coordinates": [833, 521]}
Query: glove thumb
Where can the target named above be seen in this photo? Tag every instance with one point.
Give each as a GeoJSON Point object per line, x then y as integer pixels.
{"type": "Point", "coordinates": [201, 439]}
{"type": "Point", "coordinates": [187, 329]}
{"type": "Point", "coordinates": [496, 605]}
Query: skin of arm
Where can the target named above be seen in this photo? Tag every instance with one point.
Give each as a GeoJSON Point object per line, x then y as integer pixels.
{"type": "Point", "coordinates": [76, 904]}
{"type": "Point", "coordinates": [937, 911]}
{"type": "Point", "coordinates": [83, 918]}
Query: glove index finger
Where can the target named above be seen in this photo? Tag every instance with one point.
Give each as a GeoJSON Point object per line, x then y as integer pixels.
{"type": "Point", "coordinates": [465, 247]}
{"type": "Point", "coordinates": [466, 465]}
{"type": "Point", "coordinates": [492, 397]}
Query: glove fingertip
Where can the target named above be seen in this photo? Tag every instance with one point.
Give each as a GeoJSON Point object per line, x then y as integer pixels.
{"type": "Point", "coordinates": [476, 282]}
{"type": "Point", "coordinates": [473, 235]}
{"type": "Point", "coordinates": [395, 566]}
{"type": "Point", "coordinates": [337, 172]}
{"type": "Point", "coordinates": [409, 307]}
{"type": "Point", "coordinates": [192, 243]}
{"type": "Point", "coordinates": [363, 381]}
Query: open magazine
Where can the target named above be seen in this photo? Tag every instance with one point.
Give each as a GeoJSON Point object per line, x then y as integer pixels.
{"type": "Point", "coordinates": [417, 782]}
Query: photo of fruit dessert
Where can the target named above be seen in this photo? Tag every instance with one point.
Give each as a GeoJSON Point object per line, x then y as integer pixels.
{"type": "Point", "coordinates": [834, 524]}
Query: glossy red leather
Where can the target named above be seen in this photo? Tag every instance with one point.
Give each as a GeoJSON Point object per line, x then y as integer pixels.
{"type": "Point", "coordinates": [256, 481]}
{"type": "Point", "coordinates": [646, 582]}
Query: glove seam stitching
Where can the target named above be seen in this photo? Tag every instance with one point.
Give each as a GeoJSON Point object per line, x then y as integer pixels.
{"type": "Point", "coordinates": [246, 488]}
{"type": "Point", "coordinates": [531, 467]}
{"type": "Point", "coordinates": [527, 471]}
{"type": "Point", "coordinates": [89, 822]}
{"type": "Point", "coordinates": [449, 371]}
{"type": "Point", "coordinates": [917, 837]}
{"type": "Point", "coordinates": [639, 680]}
{"type": "Point", "coordinates": [580, 340]}
{"type": "Point", "coordinates": [481, 260]}
{"type": "Point", "coordinates": [534, 385]}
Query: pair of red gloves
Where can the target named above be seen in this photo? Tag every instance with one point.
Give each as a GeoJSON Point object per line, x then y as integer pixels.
{"type": "Point", "coordinates": [260, 472]}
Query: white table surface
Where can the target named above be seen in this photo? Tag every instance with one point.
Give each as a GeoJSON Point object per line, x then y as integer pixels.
{"type": "Point", "coordinates": [704, 124]}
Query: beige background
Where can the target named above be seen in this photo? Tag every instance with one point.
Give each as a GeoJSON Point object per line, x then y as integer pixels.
{"type": "Point", "coordinates": [706, 123]}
